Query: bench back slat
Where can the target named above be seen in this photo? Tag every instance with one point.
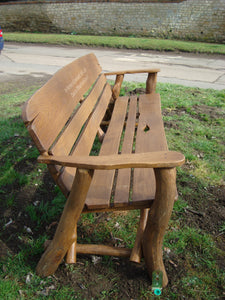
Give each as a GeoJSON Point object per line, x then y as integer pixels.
{"type": "Point", "coordinates": [87, 137]}
{"type": "Point", "coordinates": [48, 110]}
{"type": "Point", "coordinates": [66, 140]}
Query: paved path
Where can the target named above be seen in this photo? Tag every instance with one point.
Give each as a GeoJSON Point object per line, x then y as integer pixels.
{"type": "Point", "coordinates": [204, 71]}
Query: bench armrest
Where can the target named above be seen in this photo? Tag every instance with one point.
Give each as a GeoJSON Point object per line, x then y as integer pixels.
{"type": "Point", "coordinates": [163, 159]}
{"type": "Point", "coordinates": [150, 71]}
{"type": "Point", "coordinates": [150, 82]}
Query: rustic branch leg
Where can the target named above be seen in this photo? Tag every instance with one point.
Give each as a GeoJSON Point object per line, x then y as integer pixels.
{"type": "Point", "coordinates": [100, 134]}
{"type": "Point", "coordinates": [71, 257]}
{"type": "Point", "coordinates": [66, 234]}
{"type": "Point", "coordinates": [137, 249]}
{"type": "Point", "coordinates": [117, 86]}
{"type": "Point", "coordinates": [158, 219]}
{"type": "Point", "coordinates": [151, 83]}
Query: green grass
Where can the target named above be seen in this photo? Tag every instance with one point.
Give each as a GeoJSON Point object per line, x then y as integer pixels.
{"type": "Point", "coordinates": [116, 42]}
{"type": "Point", "coordinates": [193, 246]}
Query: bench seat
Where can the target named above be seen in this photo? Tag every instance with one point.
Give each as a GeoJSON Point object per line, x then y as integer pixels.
{"type": "Point", "coordinates": [136, 126]}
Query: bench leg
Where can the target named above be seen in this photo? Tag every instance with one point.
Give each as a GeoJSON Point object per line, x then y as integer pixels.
{"type": "Point", "coordinates": [71, 256]}
{"type": "Point", "coordinates": [136, 253]}
{"type": "Point", "coordinates": [158, 220]}
{"type": "Point", "coordinates": [151, 83]}
{"type": "Point", "coordinates": [66, 231]}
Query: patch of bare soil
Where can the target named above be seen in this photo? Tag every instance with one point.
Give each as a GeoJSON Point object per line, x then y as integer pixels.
{"type": "Point", "coordinates": [207, 213]}
{"type": "Point", "coordinates": [17, 82]}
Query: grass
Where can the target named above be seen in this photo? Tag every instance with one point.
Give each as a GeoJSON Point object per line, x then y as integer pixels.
{"type": "Point", "coordinates": [194, 243]}
{"type": "Point", "coordinates": [116, 42]}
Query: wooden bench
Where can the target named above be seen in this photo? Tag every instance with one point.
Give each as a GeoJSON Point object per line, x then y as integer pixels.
{"type": "Point", "coordinates": [134, 169]}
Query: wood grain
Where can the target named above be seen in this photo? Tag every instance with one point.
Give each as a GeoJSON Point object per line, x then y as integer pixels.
{"type": "Point", "coordinates": [87, 137]}
{"type": "Point", "coordinates": [71, 256]}
{"type": "Point", "coordinates": [67, 138]}
{"type": "Point", "coordinates": [117, 86]}
{"type": "Point", "coordinates": [158, 219]}
{"type": "Point", "coordinates": [99, 194]}
{"type": "Point", "coordinates": [161, 159]}
{"type": "Point", "coordinates": [136, 253]}
{"type": "Point", "coordinates": [66, 231]}
{"type": "Point", "coordinates": [151, 83]}
{"type": "Point", "coordinates": [103, 250]}
{"type": "Point", "coordinates": [132, 71]}
{"type": "Point", "coordinates": [150, 138]}
{"type": "Point", "coordinates": [122, 192]}
{"type": "Point", "coordinates": [50, 107]}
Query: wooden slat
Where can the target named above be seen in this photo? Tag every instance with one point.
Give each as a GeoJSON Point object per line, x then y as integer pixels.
{"type": "Point", "coordinates": [71, 132]}
{"type": "Point", "coordinates": [100, 190]}
{"type": "Point", "coordinates": [136, 205]}
{"type": "Point", "coordinates": [148, 140]}
{"type": "Point", "coordinates": [87, 137]}
{"type": "Point", "coordinates": [49, 108]}
{"type": "Point", "coordinates": [103, 250]}
{"type": "Point", "coordinates": [89, 133]}
{"type": "Point", "coordinates": [122, 192]}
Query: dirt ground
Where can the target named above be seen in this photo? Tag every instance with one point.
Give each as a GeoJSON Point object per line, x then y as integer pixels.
{"type": "Point", "coordinates": [89, 279]}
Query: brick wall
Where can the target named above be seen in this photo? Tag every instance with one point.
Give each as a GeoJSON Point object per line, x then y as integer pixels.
{"type": "Point", "coordinates": [202, 20]}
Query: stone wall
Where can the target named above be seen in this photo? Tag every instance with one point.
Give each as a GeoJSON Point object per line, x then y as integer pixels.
{"type": "Point", "coordinates": [202, 20]}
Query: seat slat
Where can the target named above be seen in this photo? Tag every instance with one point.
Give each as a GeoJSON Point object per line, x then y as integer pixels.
{"type": "Point", "coordinates": [100, 190]}
{"type": "Point", "coordinates": [68, 137]}
{"type": "Point", "coordinates": [49, 108]}
{"type": "Point", "coordinates": [150, 137]}
{"type": "Point", "coordinates": [122, 191]}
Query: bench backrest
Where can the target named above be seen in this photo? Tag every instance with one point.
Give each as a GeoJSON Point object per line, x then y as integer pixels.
{"type": "Point", "coordinates": [63, 116]}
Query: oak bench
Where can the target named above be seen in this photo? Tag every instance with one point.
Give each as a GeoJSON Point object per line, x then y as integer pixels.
{"type": "Point", "coordinates": [134, 169]}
